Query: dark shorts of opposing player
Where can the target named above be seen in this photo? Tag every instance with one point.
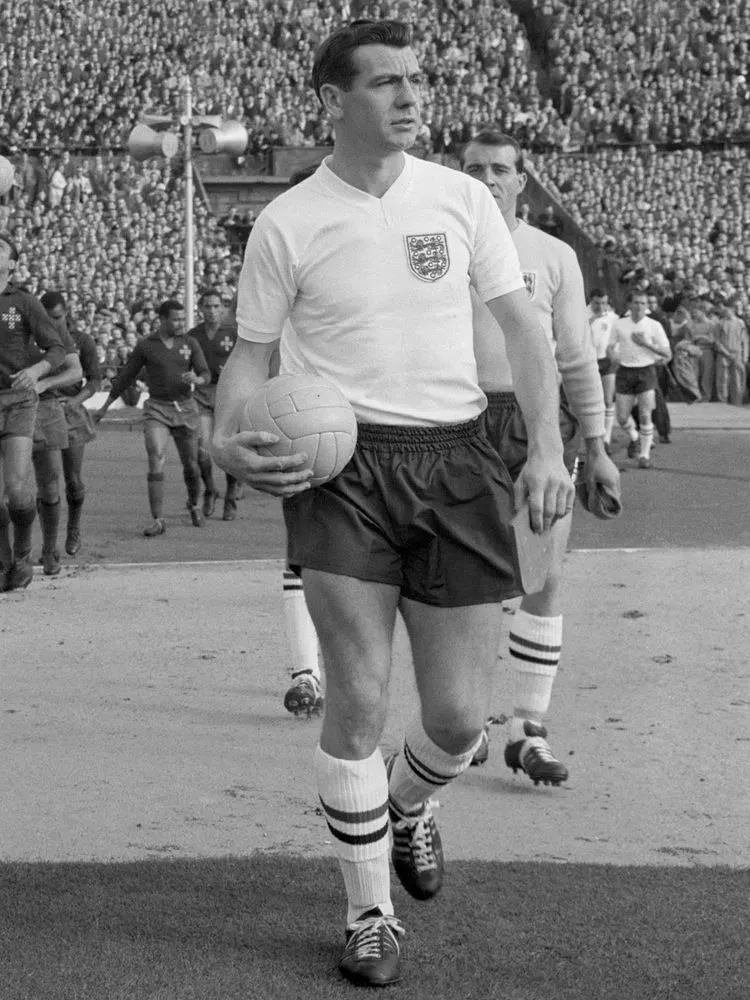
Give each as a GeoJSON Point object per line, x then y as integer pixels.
{"type": "Point", "coordinates": [633, 381]}
{"type": "Point", "coordinates": [205, 397]}
{"type": "Point", "coordinates": [17, 413]}
{"type": "Point", "coordinates": [505, 427]}
{"type": "Point", "coordinates": [424, 509]}
{"type": "Point", "coordinates": [179, 417]}
{"type": "Point", "coordinates": [606, 366]}
{"type": "Point", "coordinates": [80, 423]}
{"type": "Point", "coordinates": [50, 427]}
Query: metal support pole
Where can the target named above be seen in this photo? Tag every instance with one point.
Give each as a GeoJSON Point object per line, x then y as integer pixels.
{"type": "Point", "coordinates": [189, 243]}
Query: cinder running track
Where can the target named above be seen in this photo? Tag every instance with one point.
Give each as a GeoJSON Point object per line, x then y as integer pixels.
{"type": "Point", "coordinates": [141, 701]}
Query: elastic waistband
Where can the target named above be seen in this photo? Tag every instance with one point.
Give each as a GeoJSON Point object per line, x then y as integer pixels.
{"type": "Point", "coordinates": [500, 400]}
{"type": "Point", "coordinates": [401, 437]}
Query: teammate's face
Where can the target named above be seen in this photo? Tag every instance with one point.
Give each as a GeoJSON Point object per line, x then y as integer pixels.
{"type": "Point", "coordinates": [495, 166]}
{"type": "Point", "coordinates": [599, 304]}
{"type": "Point", "coordinates": [57, 315]}
{"type": "Point", "coordinates": [6, 262]}
{"type": "Point", "coordinates": [638, 307]}
{"type": "Point", "coordinates": [380, 112]}
{"type": "Point", "coordinates": [174, 323]}
{"type": "Point", "coordinates": [211, 310]}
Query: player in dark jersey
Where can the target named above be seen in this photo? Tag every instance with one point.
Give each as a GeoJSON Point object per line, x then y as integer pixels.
{"type": "Point", "coordinates": [216, 337]}
{"type": "Point", "coordinates": [80, 424]}
{"type": "Point", "coordinates": [50, 438]}
{"type": "Point", "coordinates": [172, 363]}
{"type": "Point", "coordinates": [25, 329]}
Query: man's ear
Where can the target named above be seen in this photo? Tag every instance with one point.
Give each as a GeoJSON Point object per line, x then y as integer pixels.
{"type": "Point", "coordinates": [330, 96]}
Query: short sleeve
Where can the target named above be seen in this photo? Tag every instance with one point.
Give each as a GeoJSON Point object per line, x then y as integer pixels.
{"type": "Point", "coordinates": [495, 269]}
{"type": "Point", "coordinates": [267, 287]}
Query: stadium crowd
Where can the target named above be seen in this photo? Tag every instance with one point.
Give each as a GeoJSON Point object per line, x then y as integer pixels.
{"type": "Point", "coordinates": [110, 233]}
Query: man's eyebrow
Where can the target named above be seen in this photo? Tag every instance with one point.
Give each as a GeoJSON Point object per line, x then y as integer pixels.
{"type": "Point", "coordinates": [382, 77]}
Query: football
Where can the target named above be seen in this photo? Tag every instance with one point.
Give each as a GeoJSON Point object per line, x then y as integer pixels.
{"type": "Point", "coordinates": [309, 414]}
{"type": "Point", "coordinates": [6, 176]}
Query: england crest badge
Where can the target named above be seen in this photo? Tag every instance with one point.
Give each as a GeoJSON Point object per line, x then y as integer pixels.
{"type": "Point", "coordinates": [428, 255]}
{"type": "Point", "coordinates": [529, 279]}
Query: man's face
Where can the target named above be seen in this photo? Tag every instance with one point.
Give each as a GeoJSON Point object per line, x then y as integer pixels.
{"type": "Point", "coordinates": [653, 304]}
{"type": "Point", "coordinates": [381, 110]}
{"type": "Point", "coordinates": [211, 310]}
{"type": "Point", "coordinates": [6, 258]}
{"type": "Point", "coordinates": [495, 166]}
{"type": "Point", "coordinates": [638, 307]}
{"type": "Point", "coordinates": [599, 304]}
{"type": "Point", "coordinates": [57, 315]}
{"type": "Point", "coordinates": [173, 323]}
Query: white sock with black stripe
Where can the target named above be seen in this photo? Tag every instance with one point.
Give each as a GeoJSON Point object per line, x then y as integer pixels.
{"type": "Point", "coordinates": [422, 770]}
{"type": "Point", "coordinates": [534, 644]}
{"type": "Point", "coordinates": [354, 797]}
{"type": "Point", "coordinates": [646, 440]}
{"type": "Point", "coordinates": [300, 631]}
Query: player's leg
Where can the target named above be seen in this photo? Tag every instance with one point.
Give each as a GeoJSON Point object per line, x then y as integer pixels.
{"type": "Point", "coordinates": [186, 442]}
{"type": "Point", "coordinates": [535, 646]}
{"type": "Point", "coordinates": [6, 549]}
{"type": "Point", "coordinates": [454, 651]}
{"type": "Point", "coordinates": [205, 463]}
{"type": "Point", "coordinates": [155, 435]}
{"type": "Point", "coordinates": [608, 387]}
{"type": "Point", "coordinates": [231, 496]}
{"type": "Point", "coordinates": [355, 620]}
{"type": "Point", "coordinates": [48, 471]}
{"type": "Point", "coordinates": [645, 401]}
{"type": "Point", "coordinates": [623, 407]}
{"type": "Point", "coordinates": [305, 694]}
{"type": "Point", "coordinates": [75, 494]}
{"type": "Point", "coordinates": [19, 489]}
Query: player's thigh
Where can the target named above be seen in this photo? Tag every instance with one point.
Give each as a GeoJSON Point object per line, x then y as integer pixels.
{"type": "Point", "coordinates": [623, 406]}
{"type": "Point", "coordinates": [354, 620]}
{"type": "Point", "coordinates": [454, 652]}
{"type": "Point", "coordinates": [608, 387]}
{"type": "Point", "coordinates": [72, 461]}
{"type": "Point", "coordinates": [155, 436]}
{"type": "Point", "coordinates": [47, 470]}
{"type": "Point", "coordinates": [17, 465]}
{"type": "Point", "coordinates": [205, 429]}
{"type": "Point", "coordinates": [646, 403]}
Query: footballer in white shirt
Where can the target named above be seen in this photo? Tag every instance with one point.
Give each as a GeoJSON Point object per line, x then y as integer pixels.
{"type": "Point", "coordinates": [554, 285]}
{"type": "Point", "coordinates": [371, 261]}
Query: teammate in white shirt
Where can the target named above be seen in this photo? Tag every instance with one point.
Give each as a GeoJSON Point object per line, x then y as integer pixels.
{"type": "Point", "coordinates": [601, 320]}
{"type": "Point", "coordinates": [554, 285]}
{"type": "Point", "coordinates": [635, 342]}
{"type": "Point", "coordinates": [371, 260]}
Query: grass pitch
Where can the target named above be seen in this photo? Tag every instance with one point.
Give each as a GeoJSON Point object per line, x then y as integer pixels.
{"type": "Point", "coordinates": [270, 926]}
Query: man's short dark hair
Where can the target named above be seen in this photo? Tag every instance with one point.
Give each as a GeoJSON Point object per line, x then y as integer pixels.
{"type": "Point", "coordinates": [168, 307]}
{"type": "Point", "coordinates": [494, 137]}
{"type": "Point", "coordinates": [333, 60]}
{"type": "Point", "coordinates": [208, 293]}
{"type": "Point", "coordinates": [5, 238]}
{"type": "Point", "coordinates": [51, 300]}
{"type": "Point", "coordinates": [598, 293]}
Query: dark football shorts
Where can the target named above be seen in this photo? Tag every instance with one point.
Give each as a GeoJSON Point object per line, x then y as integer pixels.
{"type": "Point", "coordinates": [607, 366]}
{"type": "Point", "coordinates": [632, 381]}
{"type": "Point", "coordinates": [50, 427]}
{"type": "Point", "coordinates": [205, 397]}
{"type": "Point", "coordinates": [425, 509]}
{"type": "Point", "coordinates": [17, 413]}
{"type": "Point", "coordinates": [178, 416]}
{"type": "Point", "coordinates": [505, 427]}
{"type": "Point", "coordinates": [80, 426]}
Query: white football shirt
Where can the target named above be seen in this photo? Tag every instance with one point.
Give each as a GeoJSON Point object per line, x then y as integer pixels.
{"type": "Point", "coordinates": [376, 291]}
{"type": "Point", "coordinates": [554, 283]}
